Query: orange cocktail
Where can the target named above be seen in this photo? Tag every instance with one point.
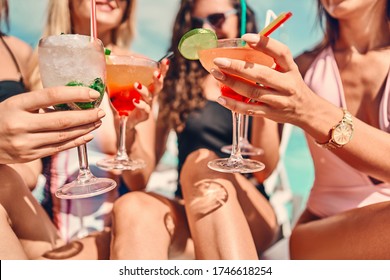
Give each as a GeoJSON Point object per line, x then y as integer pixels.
{"type": "Point", "coordinates": [122, 73]}
{"type": "Point", "coordinates": [235, 49]}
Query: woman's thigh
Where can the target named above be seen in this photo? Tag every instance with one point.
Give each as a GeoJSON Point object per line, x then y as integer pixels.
{"type": "Point", "coordinates": [26, 217]}
{"type": "Point", "coordinates": [360, 233]}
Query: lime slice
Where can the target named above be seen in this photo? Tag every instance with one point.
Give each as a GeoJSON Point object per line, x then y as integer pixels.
{"type": "Point", "coordinates": [107, 53]}
{"type": "Point", "coordinates": [197, 39]}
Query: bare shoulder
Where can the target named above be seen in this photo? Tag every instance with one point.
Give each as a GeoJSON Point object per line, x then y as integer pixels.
{"type": "Point", "coordinates": [305, 59]}
{"type": "Point", "coordinates": [21, 49]}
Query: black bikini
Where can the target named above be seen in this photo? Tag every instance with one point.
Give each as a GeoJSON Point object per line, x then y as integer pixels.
{"type": "Point", "coordinates": [10, 88]}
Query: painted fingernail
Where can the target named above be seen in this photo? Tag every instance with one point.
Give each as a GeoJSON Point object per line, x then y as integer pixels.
{"type": "Point", "coordinates": [101, 113]}
{"type": "Point", "coordinates": [251, 38]}
{"type": "Point", "coordinates": [167, 62]}
{"type": "Point", "coordinates": [139, 86]}
{"type": "Point", "coordinates": [93, 94]}
{"type": "Point", "coordinates": [217, 74]}
{"type": "Point", "coordinates": [221, 100]}
{"type": "Point", "coordinates": [222, 62]}
{"type": "Point", "coordinates": [136, 101]}
{"type": "Point", "coordinates": [159, 76]}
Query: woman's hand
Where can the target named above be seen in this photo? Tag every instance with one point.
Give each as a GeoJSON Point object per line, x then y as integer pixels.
{"type": "Point", "coordinates": [28, 133]}
{"type": "Point", "coordinates": [278, 93]}
{"type": "Point", "coordinates": [149, 94]}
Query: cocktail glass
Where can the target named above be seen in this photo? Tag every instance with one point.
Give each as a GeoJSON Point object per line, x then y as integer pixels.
{"type": "Point", "coordinates": [122, 73]}
{"type": "Point", "coordinates": [76, 60]}
{"type": "Point", "coordinates": [235, 49]}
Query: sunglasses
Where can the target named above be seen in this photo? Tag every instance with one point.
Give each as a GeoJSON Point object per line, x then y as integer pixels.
{"type": "Point", "coordinates": [216, 20]}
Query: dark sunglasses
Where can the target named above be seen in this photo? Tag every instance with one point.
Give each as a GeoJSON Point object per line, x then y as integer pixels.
{"type": "Point", "coordinates": [216, 20]}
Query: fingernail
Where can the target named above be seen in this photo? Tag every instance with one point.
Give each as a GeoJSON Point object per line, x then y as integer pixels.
{"type": "Point", "coordinates": [167, 62]}
{"type": "Point", "coordinates": [135, 101]}
{"type": "Point", "coordinates": [93, 94]}
{"type": "Point", "coordinates": [251, 38]}
{"type": "Point", "coordinates": [97, 124]}
{"type": "Point", "coordinates": [222, 62]}
{"type": "Point", "coordinates": [139, 86]}
{"type": "Point", "coordinates": [221, 100]}
{"type": "Point", "coordinates": [217, 74]}
{"type": "Point", "coordinates": [87, 137]}
{"type": "Point", "coordinates": [159, 76]}
{"type": "Point", "coordinates": [101, 113]}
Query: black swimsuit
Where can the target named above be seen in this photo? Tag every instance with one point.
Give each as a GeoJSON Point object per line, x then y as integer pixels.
{"type": "Point", "coordinates": [209, 127]}
{"type": "Point", "coordinates": [10, 88]}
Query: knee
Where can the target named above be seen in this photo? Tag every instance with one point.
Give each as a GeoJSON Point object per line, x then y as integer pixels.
{"type": "Point", "coordinates": [134, 207]}
{"type": "Point", "coordinates": [195, 169]}
{"type": "Point", "coordinates": [196, 163]}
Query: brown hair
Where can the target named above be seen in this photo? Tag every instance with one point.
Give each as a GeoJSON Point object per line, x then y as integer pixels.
{"type": "Point", "coordinates": [182, 92]}
{"type": "Point", "coordinates": [4, 14]}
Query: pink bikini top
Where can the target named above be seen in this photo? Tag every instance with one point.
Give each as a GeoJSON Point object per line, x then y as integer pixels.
{"type": "Point", "coordinates": [338, 186]}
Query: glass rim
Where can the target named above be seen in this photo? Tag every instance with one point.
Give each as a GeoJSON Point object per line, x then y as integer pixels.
{"type": "Point", "coordinates": [45, 38]}
{"type": "Point", "coordinates": [132, 58]}
{"type": "Point", "coordinates": [232, 42]}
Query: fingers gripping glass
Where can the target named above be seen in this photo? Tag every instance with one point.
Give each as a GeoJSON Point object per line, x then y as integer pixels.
{"type": "Point", "coordinates": [76, 60]}
{"type": "Point", "coordinates": [216, 20]}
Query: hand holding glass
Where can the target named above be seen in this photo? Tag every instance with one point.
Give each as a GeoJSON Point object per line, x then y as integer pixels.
{"type": "Point", "coordinates": [122, 73]}
{"type": "Point", "coordinates": [234, 49]}
{"type": "Point", "coordinates": [76, 60]}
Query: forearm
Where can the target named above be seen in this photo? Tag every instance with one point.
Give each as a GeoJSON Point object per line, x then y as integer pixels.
{"type": "Point", "coordinates": [266, 136]}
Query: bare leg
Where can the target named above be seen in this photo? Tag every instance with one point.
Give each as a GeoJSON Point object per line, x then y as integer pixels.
{"type": "Point", "coordinates": [148, 226]}
{"type": "Point", "coordinates": [24, 222]}
{"type": "Point", "coordinates": [361, 233]}
{"type": "Point", "coordinates": [224, 212]}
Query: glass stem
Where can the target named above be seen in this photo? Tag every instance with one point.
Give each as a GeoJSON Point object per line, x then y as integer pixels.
{"type": "Point", "coordinates": [122, 153]}
{"type": "Point", "coordinates": [84, 172]}
{"type": "Point", "coordinates": [236, 149]}
{"type": "Point", "coordinates": [245, 125]}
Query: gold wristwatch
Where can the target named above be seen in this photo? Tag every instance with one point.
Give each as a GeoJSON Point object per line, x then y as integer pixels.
{"type": "Point", "coordinates": [341, 133]}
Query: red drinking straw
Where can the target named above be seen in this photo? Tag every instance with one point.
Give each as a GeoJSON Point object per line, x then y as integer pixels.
{"type": "Point", "coordinates": [275, 24]}
{"type": "Point", "coordinates": [93, 20]}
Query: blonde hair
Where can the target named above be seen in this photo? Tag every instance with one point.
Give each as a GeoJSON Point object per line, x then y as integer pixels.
{"type": "Point", "coordinates": [59, 21]}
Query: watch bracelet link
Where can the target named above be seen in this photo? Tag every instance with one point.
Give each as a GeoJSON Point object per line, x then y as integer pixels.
{"type": "Point", "coordinates": [331, 144]}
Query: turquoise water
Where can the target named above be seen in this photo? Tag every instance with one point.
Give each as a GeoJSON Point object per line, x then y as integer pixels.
{"type": "Point", "coordinates": [299, 165]}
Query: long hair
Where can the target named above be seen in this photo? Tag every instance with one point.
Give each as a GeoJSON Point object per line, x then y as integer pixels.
{"type": "Point", "coordinates": [4, 14]}
{"type": "Point", "coordinates": [330, 25]}
{"type": "Point", "coordinates": [182, 92]}
{"type": "Point", "coordinates": [59, 21]}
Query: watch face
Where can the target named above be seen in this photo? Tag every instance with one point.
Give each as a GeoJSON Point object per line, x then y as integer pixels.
{"type": "Point", "coordinates": [342, 133]}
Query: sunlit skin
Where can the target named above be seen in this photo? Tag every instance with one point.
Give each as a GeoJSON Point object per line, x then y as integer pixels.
{"type": "Point", "coordinates": [362, 57]}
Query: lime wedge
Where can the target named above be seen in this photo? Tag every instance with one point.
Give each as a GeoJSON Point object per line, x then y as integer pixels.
{"type": "Point", "coordinates": [197, 39]}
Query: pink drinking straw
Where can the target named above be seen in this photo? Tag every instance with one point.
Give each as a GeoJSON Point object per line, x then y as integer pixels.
{"type": "Point", "coordinates": [275, 24]}
{"type": "Point", "coordinates": [93, 20]}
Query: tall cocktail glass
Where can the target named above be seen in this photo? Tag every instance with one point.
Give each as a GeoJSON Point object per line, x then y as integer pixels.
{"type": "Point", "coordinates": [76, 60]}
{"type": "Point", "coordinates": [122, 73]}
{"type": "Point", "coordinates": [235, 49]}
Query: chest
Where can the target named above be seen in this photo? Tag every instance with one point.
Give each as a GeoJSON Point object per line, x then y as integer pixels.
{"type": "Point", "coordinates": [364, 79]}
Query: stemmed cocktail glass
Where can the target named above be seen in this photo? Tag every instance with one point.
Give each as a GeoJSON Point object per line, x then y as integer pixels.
{"type": "Point", "coordinates": [76, 60]}
{"type": "Point", "coordinates": [122, 73]}
{"type": "Point", "coordinates": [235, 49]}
